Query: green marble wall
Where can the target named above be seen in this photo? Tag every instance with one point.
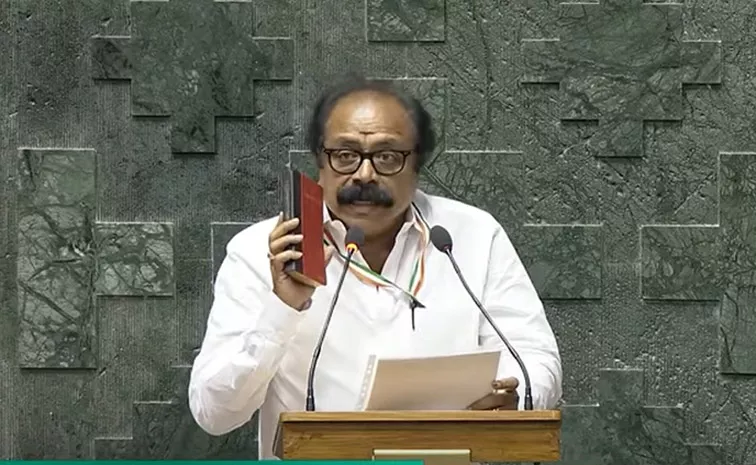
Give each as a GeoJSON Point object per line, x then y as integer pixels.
{"type": "Point", "coordinates": [615, 140]}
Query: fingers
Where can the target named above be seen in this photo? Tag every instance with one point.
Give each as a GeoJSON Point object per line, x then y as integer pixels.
{"type": "Point", "coordinates": [282, 227]}
{"type": "Point", "coordinates": [279, 260]}
{"type": "Point", "coordinates": [481, 404]}
{"type": "Point", "coordinates": [279, 239]}
{"type": "Point", "coordinates": [503, 397]}
{"type": "Point", "coordinates": [501, 401]}
{"type": "Point", "coordinates": [506, 383]}
{"type": "Point", "coordinates": [283, 242]}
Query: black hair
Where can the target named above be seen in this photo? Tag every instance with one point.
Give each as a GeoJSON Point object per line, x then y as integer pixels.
{"type": "Point", "coordinates": [425, 136]}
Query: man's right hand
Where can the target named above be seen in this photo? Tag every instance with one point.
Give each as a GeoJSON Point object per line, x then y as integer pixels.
{"type": "Point", "coordinates": [292, 292]}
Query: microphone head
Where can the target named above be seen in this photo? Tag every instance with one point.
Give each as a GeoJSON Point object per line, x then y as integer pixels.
{"type": "Point", "coordinates": [355, 237]}
{"type": "Point", "coordinates": [441, 238]}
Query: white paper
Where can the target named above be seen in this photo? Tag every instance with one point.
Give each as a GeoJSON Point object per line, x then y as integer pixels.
{"type": "Point", "coordinates": [450, 382]}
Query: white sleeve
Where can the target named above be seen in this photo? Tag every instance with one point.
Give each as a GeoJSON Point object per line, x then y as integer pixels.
{"type": "Point", "coordinates": [248, 331]}
{"type": "Point", "coordinates": [512, 301]}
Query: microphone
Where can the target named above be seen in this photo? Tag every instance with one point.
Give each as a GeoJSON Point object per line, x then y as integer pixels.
{"type": "Point", "coordinates": [355, 237]}
{"type": "Point", "coordinates": [442, 240]}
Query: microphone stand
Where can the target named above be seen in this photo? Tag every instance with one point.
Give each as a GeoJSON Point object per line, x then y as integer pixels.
{"type": "Point", "coordinates": [528, 401]}
{"type": "Point", "coordinates": [310, 404]}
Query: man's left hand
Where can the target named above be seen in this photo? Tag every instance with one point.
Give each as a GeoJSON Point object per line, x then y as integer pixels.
{"type": "Point", "coordinates": [502, 397]}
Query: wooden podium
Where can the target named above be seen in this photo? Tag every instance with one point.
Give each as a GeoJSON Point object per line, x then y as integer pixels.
{"type": "Point", "coordinates": [437, 437]}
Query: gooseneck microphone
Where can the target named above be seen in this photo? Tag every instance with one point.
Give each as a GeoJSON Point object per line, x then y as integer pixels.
{"type": "Point", "coordinates": [442, 240]}
{"type": "Point", "coordinates": [355, 237]}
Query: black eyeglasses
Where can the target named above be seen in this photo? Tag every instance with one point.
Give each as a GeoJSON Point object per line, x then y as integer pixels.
{"type": "Point", "coordinates": [385, 162]}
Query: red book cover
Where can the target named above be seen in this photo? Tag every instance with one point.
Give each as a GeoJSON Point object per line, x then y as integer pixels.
{"type": "Point", "coordinates": [304, 200]}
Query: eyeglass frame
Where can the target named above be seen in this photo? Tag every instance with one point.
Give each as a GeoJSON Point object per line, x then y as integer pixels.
{"type": "Point", "coordinates": [367, 156]}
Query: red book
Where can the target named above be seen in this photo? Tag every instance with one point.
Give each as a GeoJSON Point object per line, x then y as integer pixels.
{"type": "Point", "coordinates": [304, 200]}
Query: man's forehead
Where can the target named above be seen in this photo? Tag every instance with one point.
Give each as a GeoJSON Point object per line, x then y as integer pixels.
{"type": "Point", "coordinates": [354, 140]}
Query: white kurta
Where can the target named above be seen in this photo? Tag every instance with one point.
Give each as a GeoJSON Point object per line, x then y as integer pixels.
{"type": "Point", "coordinates": [257, 350]}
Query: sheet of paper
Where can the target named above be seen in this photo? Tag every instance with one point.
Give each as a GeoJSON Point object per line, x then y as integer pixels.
{"type": "Point", "coordinates": [450, 382]}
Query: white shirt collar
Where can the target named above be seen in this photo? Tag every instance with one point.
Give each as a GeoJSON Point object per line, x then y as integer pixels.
{"type": "Point", "coordinates": [415, 220]}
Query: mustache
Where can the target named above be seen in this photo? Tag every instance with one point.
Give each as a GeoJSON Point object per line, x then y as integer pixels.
{"type": "Point", "coordinates": [364, 193]}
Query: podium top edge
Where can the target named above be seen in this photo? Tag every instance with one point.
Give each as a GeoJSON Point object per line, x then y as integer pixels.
{"type": "Point", "coordinates": [423, 415]}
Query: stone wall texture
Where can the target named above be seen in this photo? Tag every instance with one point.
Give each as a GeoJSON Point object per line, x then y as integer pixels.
{"type": "Point", "coordinates": [614, 140]}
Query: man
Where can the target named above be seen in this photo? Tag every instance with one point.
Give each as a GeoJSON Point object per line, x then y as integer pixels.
{"type": "Point", "coordinates": [369, 141]}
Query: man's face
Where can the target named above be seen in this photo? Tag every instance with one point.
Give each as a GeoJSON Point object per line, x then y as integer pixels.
{"type": "Point", "coordinates": [372, 197]}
